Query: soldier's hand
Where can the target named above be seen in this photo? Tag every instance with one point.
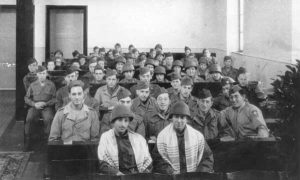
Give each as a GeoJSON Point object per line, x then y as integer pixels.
{"type": "Point", "coordinates": [38, 105]}
{"type": "Point", "coordinates": [111, 108]}
{"type": "Point", "coordinates": [263, 133]}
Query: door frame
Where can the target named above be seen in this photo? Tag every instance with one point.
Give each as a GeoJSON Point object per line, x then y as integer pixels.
{"type": "Point", "coordinates": [51, 7]}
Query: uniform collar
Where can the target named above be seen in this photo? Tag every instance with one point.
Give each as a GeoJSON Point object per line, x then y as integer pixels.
{"type": "Point", "coordinates": [68, 109]}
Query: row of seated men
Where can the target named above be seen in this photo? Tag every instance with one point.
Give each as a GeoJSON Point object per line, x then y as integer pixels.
{"type": "Point", "coordinates": [147, 114]}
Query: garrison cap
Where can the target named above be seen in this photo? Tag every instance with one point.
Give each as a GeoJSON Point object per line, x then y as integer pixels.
{"type": "Point", "coordinates": [177, 63]}
{"type": "Point", "coordinates": [234, 89]}
{"type": "Point", "coordinates": [128, 67]}
{"type": "Point", "coordinates": [144, 70]}
{"type": "Point", "coordinates": [168, 54]}
{"type": "Point", "coordinates": [123, 93]}
{"type": "Point", "coordinates": [160, 91]}
{"type": "Point", "coordinates": [110, 72]}
{"type": "Point", "coordinates": [75, 83]}
{"type": "Point", "coordinates": [187, 48]}
{"type": "Point", "coordinates": [204, 93]}
{"type": "Point", "coordinates": [150, 62]}
{"type": "Point", "coordinates": [142, 85]}
{"type": "Point", "coordinates": [186, 81]}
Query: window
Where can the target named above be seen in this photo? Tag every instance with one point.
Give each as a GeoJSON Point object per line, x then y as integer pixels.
{"type": "Point", "coordinates": [241, 25]}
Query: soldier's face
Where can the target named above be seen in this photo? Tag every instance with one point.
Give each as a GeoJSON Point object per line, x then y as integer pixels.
{"type": "Point", "coordinates": [176, 83]}
{"type": "Point", "coordinates": [205, 104]}
{"type": "Point", "coordinates": [186, 90]}
{"type": "Point", "coordinates": [243, 79]}
{"type": "Point", "coordinates": [128, 74]}
{"type": "Point", "coordinates": [143, 94]}
{"type": "Point", "coordinates": [225, 89]}
{"type": "Point", "coordinates": [121, 125]}
{"type": "Point", "coordinates": [216, 76]}
{"type": "Point", "coordinates": [111, 81]}
{"type": "Point", "coordinates": [228, 63]}
{"type": "Point", "coordinates": [191, 71]}
{"type": "Point", "coordinates": [169, 61]}
{"type": "Point", "coordinates": [98, 74]}
{"type": "Point", "coordinates": [179, 121]}
{"type": "Point", "coordinates": [92, 66]}
{"type": "Point", "coordinates": [76, 95]}
{"type": "Point", "coordinates": [187, 52]}
{"type": "Point", "coordinates": [163, 101]}
{"type": "Point", "coordinates": [177, 69]}
{"type": "Point", "coordinates": [119, 66]}
{"type": "Point", "coordinates": [153, 54]}
{"type": "Point", "coordinates": [42, 75]}
{"type": "Point", "coordinates": [101, 64]}
{"type": "Point", "coordinates": [50, 66]}
{"type": "Point", "coordinates": [126, 101]}
{"type": "Point", "coordinates": [203, 66]}
{"type": "Point", "coordinates": [146, 77]}
{"type": "Point", "coordinates": [206, 53]}
{"type": "Point", "coordinates": [160, 77]}
{"type": "Point", "coordinates": [130, 60]}
{"type": "Point", "coordinates": [237, 99]}
{"type": "Point", "coordinates": [33, 67]}
{"type": "Point", "coordinates": [151, 67]}
{"type": "Point", "coordinates": [71, 77]}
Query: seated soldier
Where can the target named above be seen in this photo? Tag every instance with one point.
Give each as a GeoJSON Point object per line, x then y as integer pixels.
{"type": "Point", "coordinates": [140, 62]}
{"type": "Point", "coordinates": [128, 72]}
{"type": "Point", "coordinates": [180, 147]}
{"type": "Point", "coordinates": [75, 54]}
{"type": "Point", "coordinates": [222, 101]}
{"type": "Point", "coordinates": [242, 119]}
{"type": "Point", "coordinates": [144, 102]}
{"type": "Point", "coordinates": [98, 75]}
{"type": "Point", "coordinates": [122, 151]}
{"type": "Point", "coordinates": [95, 51]}
{"type": "Point", "coordinates": [254, 93]}
{"type": "Point", "coordinates": [159, 57]}
{"type": "Point", "coordinates": [50, 65]}
{"type": "Point", "coordinates": [120, 61]}
{"type": "Point", "coordinates": [191, 71]}
{"type": "Point", "coordinates": [107, 95]}
{"type": "Point", "coordinates": [59, 65]}
{"type": "Point", "coordinates": [160, 75]}
{"type": "Point", "coordinates": [228, 70]}
{"type": "Point", "coordinates": [168, 61]}
{"type": "Point", "coordinates": [130, 48]}
{"type": "Point", "coordinates": [206, 119]}
{"type": "Point", "coordinates": [216, 74]}
{"type": "Point", "coordinates": [88, 77]}
{"type": "Point", "coordinates": [176, 85]}
{"type": "Point", "coordinates": [177, 67]}
{"type": "Point", "coordinates": [76, 63]}
{"type": "Point", "coordinates": [110, 60]}
{"type": "Point", "coordinates": [40, 98]}
{"type": "Point", "coordinates": [102, 52]}
{"type": "Point", "coordinates": [157, 120]}
{"type": "Point", "coordinates": [158, 48]}
{"type": "Point", "coordinates": [187, 51]}
{"type": "Point", "coordinates": [82, 62]}
{"type": "Point", "coordinates": [203, 71]}
{"type": "Point", "coordinates": [135, 53]}
{"type": "Point", "coordinates": [186, 96]}
{"type": "Point", "coordinates": [101, 62]}
{"type": "Point", "coordinates": [145, 76]}
{"type": "Point", "coordinates": [31, 76]}
{"type": "Point", "coordinates": [136, 125]}
{"type": "Point", "coordinates": [118, 48]}
{"type": "Point", "coordinates": [130, 59]}
{"type": "Point", "coordinates": [75, 121]}
{"type": "Point", "coordinates": [150, 65]}
{"type": "Point", "coordinates": [152, 54]}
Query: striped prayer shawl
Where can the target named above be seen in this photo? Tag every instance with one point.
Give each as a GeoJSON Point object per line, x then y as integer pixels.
{"type": "Point", "coordinates": [167, 146]}
{"type": "Point", "coordinates": [108, 150]}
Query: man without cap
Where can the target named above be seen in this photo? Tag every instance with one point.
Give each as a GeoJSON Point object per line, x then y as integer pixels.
{"type": "Point", "coordinates": [191, 71]}
{"type": "Point", "coordinates": [186, 96]}
{"type": "Point", "coordinates": [228, 70]}
{"type": "Point", "coordinates": [31, 75]}
{"type": "Point", "coordinates": [75, 121]}
{"type": "Point", "coordinates": [128, 72]}
{"type": "Point", "coordinates": [88, 77]}
{"type": "Point", "coordinates": [222, 101]}
{"type": "Point", "coordinates": [203, 70]}
{"type": "Point", "coordinates": [145, 76]}
{"type": "Point", "coordinates": [206, 119]}
{"type": "Point", "coordinates": [160, 75]}
{"type": "Point", "coordinates": [136, 125]}
{"type": "Point", "coordinates": [242, 119]}
{"type": "Point", "coordinates": [120, 150]}
{"type": "Point", "coordinates": [40, 98]}
{"type": "Point", "coordinates": [144, 102]}
{"type": "Point", "coordinates": [98, 75]}
{"type": "Point", "coordinates": [107, 95]}
{"type": "Point", "coordinates": [180, 147]}
{"type": "Point", "coordinates": [216, 74]}
{"type": "Point", "coordinates": [176, 85]}
{"type": "Point", "coordinates": [157, 120]}
{"type": "Point", "coordinates": [168, 61]}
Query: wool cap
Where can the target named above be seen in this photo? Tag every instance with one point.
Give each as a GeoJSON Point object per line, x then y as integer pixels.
{"type": "Point", "coordinates": [123, 93]}
{"type": "Point", "coordinates": [177, 63]}
{"type": "Point", "coordinates": [110, 72]}
{"type": "Point", "coordinates": [204, 93]}
{"type": "Point", "coordinates": [121, 111]}
{"type": "Point", "coordinates": [128, 67]}
{"type": "Point", "coordinates": [160, 70]}
{"type": "Point", "coordinates": [142, 85]}
{"type": "Point", "coordinates": [75, 83]}
{"type": "Point", "coordinates": [175, 76]}
{"type": "Point", "coordinates": [186, 81]}
{"type": "Point", "coordinates": [180, 108]}
{"type": "Point", "coordinates": [159, 92]}
{"type": "Point", "coordinates": [215, 68]}
{"type": "Point", "coordinates": [144, 70]}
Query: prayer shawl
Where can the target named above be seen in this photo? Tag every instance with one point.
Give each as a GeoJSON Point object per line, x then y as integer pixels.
{"type": "Point", "coordinates": [167, 145]}
{"type": "Point", "coordinates": [108, 150]}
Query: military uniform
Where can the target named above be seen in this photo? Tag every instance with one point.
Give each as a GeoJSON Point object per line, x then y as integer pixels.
{"type": "Point", "coordinates": [221, 102]}
{"type": "Point", "coordinates": [254, 93]}
{"type": "Point", "coordinates": [105, 98]}
{"type": "Point", "coordinates": [28, 79]}
{"type": "Point", "coordinates": [38, 93]}
{"type": "Point", "coordinates": [152, 87]}
{"type": "Point", "coordinates": [74, 125]}
{"type": "Point", "coordinates": [133, 80]}
{"type": "Point", "coordinates": [243, 121]}
{"type": "Point", "coordinates": [140, 108]}
{"type": "Point", "coordinates": [172, 92]}
{"type": "Point", "coordinates": [156, 81]}
{"type": "Point", "coordinates": [196, 79]}
{"type": "Point", "coordinates": [230, 72]}
{"type": "Point", "coordinates": [207, 124]}
{"type": "Point", "coordinates": [191, 101]}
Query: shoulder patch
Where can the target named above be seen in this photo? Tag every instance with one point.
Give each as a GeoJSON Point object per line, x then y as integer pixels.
{"type": "Point", "coordinates": [254, 113]}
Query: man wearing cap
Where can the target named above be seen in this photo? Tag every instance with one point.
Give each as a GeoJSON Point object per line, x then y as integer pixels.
{"type": "Point", "coordinates": [88, 77]}
{"type": "Point", "coordinates": [152, 54]}
{"type": "Point", "coordinates": [75, 121]}
{"type": "Point", "coordinates": [206, 119]}
{"type": "Point", "coordinates": [253, 89]}
{"type": "Point", "coordinates": [31, 75]}
{"type": "Point", "coordinates": [145, 76]}
{"type": "Point", "coordinates": [40, 97]}
{"type": "Point", "coordinates": [107, 95]}
{"type": "Point", "coordinates": [136, 125]}
{"type": "Point", "coordinates": [187, 51]}
{"type": "Point", "coordinates": [82, 62]}
{"type": "Point", "coordinates": [191, 71]}
{"type": "Point", "coordinates": [203, 71]}
{"type": "Point", "coordinates": [216, 74]}
{"type": "Point", "coordinates": [177, 67]}
{"type": "Point", "coordinates": [128, 72]}
{"type": "Point", "coordinates": [160, 74]}
{"type": "Point", "coordinates": [150, 65]}
{"type": "Point", "coordinates": [176, 85]}
{"type": "Point", "coordinates": [180, 147]}
{"type": "Point", "coordinates": [144, 102]}
{"type": "Point", "coordinates": [222, 101]}
{"type": "Point", "coordinates": [158, 48]}
{"type": "Point", "coordinates": [186, 96]}
{"type": "Point", "coordinates": [120, 61]}
{"type": "Point", "coordinates": [101, 62]}
{"type": "Point", "coordinates": [168, 61]}
{"type": "Point", "coordinates": [243, 119]}
{"type": "Point", "coordinates": [159, 57]}
{"type": "Point", "coordinates": [120, 150]}
{"type": "Point", "coordinates": [157, 120]}
{"type": "Point", "coordinates": [228, 69]}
